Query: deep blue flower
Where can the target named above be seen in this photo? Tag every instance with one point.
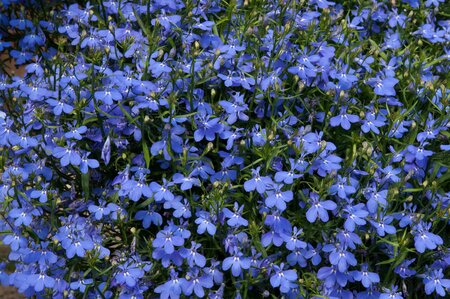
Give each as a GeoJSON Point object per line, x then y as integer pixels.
{"type": "Point", "coordinates": [235, 218]}
{"type": "Point", "coordinates": [278, 198]}
{"type": "Point", "coordinates": [129, 273]}
{"type": "Point", "coordinates": [435, 282]}
{"type": "Point", "coordinates": [192, 256]}
{"type": "Point", "coordinates": [106, 151]}
{"type": "Point", "coordinates": [186, 182]}
{"type": "Point", "coordinates": [197, 283]}
{"type": "Point", "coordinates": [319, 208]}
{"type": "Point", "coordinates": [384, 86]}
{"type": "Point", "coordinates": [237, 262]}
{"type": "Point", "coordinates": [87, 163]}
{"type": "Point", "coordinates": [383, 225]}
{"type": "Point", "coordinates": [162, 192]}
{"type": "Point", "coordinates": [423, 239]}
{"type": "Point", "coordinates": [354, 216]}
{"type": "Point", "coordinates": [293, 242]}
{"type": "Point", "coordinates": [340, 257]}
{"type": "Point", "coordinates": [403, 269]}
{"type": "Point", "coordinates": [344, 119]}
{"type": "Point", "coordinates": [205, 223]}
{"type": "Point", "coordinates": [167, 239]}
{"type": "Point", "coordinates": [391, 293]}
{"type": "Point", "coordinates": [172, 288]}
{"type": "Point", "coordinates": [206, 127]}
{"type": "Point", "coordinates": [67, 156]}
{"type": "Point", "coordinates": [260, 183]}
{"type": "Point", "coordinates": [284, 279]}
{"type": "Point", "coordinates": [288, 177]}
{"type": "Point", "coordinates": [367, 278]}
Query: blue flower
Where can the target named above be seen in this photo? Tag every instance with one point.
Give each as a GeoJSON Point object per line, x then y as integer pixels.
{"type": "Point", "coordinates": [129, 273]}
{"type": "Point", "coordinates": [260, 183]}
{"type": "Point", "coordinates": [206, 128]}
{"type": "Point", "coordinates": [237, 262]}
{"type": "Point", "coordinates": [135, 189]}
{"type": "Point", "coordinates": [292, 241]}
{"type": "Point", "coordinates": [285, 279]}
{"type": "Point", "coordinates": [196, 283]}
{"type": "Point", "coordinates": [173, 287]}
{"type": "Point", "coordinates": [81, 284]}
{"type": "Point", "coordinates": [278, 198]}
{"type": "Point", "coordinates": [205, 223]}
{"type": "Point", "coordinates": [149, 217]}
{"type": "Point", "coordinates": [67, 156]}
{"type": "Point", "coordinates": [75, 133]}
{"type": "Point", "coordinates": [319, 208]}
{"type": "Point", "coordinates": [385, 86]}
{"type": "Point", "coordinates": [234, 218]}
{"type": "Point", "coordinates": [367, 278]}
{"type": "Point", "coordinates": [403, 269]}
{"type": "Point", "coordinates": [340, 257]}
{"type": "Point", "coordinates": [344, 119]}
{"type": "Point", "coordinates": [435, 282]}
{"type": "Point", "coordinates": [87, 163]}
{"type": "Point", "coordinates": [192, 256]}
{"type": "Point", "coordinates": [42, 280]}
{"type": "Point", "coordinates": [423, 239]}
{"type": "Point", "coordinates": [162, 192]}
{"type": "Point", "coordinates": [391, 293]}
{"type": "Point", "coordinates": [372, 123]}
{"type": "Point", "coordinates": [106, 151]}
{"type": "Point", "coordinates": [354, 216]}
{"type": "Point", "coordinates": [167, 239]}
{"type": "Point", "coordinates": [288, 177]}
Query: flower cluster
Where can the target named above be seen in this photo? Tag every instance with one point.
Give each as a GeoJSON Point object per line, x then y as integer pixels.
{"type": "Point", "coordinates": [205, 148]}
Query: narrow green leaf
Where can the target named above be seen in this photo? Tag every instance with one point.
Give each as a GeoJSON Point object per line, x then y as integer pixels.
{"type": "Point", "coordinates": [146, 153]}
{"type": "Point", "coordinates": [85, 185]}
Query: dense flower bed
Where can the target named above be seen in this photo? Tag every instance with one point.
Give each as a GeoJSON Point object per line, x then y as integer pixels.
{"type": "Point", "coordinates": [247, 149]}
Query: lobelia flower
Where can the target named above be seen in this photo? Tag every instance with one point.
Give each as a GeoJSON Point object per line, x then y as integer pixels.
{"type": "Point", "coordinates": [284, 279]}
{"type": "Point", "coordinates": [423, 239]}
{"type": "Point", "coordinates": [196, 283]}
{"type": "Point", "coordinates": [186, 182]}
{"type": "Point", "coordinates": [288, 177]}
{"type": "Point", "coordinates": [278, 198]}
{"type": "Point", "coordinates": [260, 183]}
{"type": "Point", "coordinates": [87, 163]}
{"type": "Point", "coordinates": [106, 151]}
{"type": "Point", "coordinates": [319, 208]}
{"type": "Point", "coordinates": [128, 274]}
{"type": "Point", "coordinates": [435, 282]}
{"type": "Point", "coordinates": [205, 223]}
{"type": "Point", "coordinates": [167, 240]}
{"type": "Point", "coordinates": [192, 256]}
{"type": "Point", "coordinates": [391, 293]}
{"type": "Point", "coordinates": [354, 216]}
{"type": "Point", "coordinates": [344, 119]}
{"type": "Point", "coordinates": [206, 128]}
{"type": "Point", "coordinates": [403, 269]}
{"type": "Point", "coordinates": [237, 262]}
{"type": "Point", "coordinates": [340, 257]}
{"type": "Point", "coordinates": [67, 155]}
{"type": "Point", "coordinates": [41, 281]}
{"type": "Point", "coordinates": [383, 226]}
{"type": "Point", "coordinates": [293, 242]}
{"type": "Point", "coordinates": [162, 192]}
{"type": "Point", "coordinates": [235, 218]}
{"type": "Point", "coordinates": [367, 278]}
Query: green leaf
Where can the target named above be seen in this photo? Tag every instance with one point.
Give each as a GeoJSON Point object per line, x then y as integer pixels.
{"type": "Point", "coordinates": [85, 185]}
{"type": "Point", "coordinates": [146, 153]}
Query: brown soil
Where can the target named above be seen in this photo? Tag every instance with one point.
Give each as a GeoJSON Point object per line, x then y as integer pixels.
{"type": "Point", "coordinates": [8, 292]}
